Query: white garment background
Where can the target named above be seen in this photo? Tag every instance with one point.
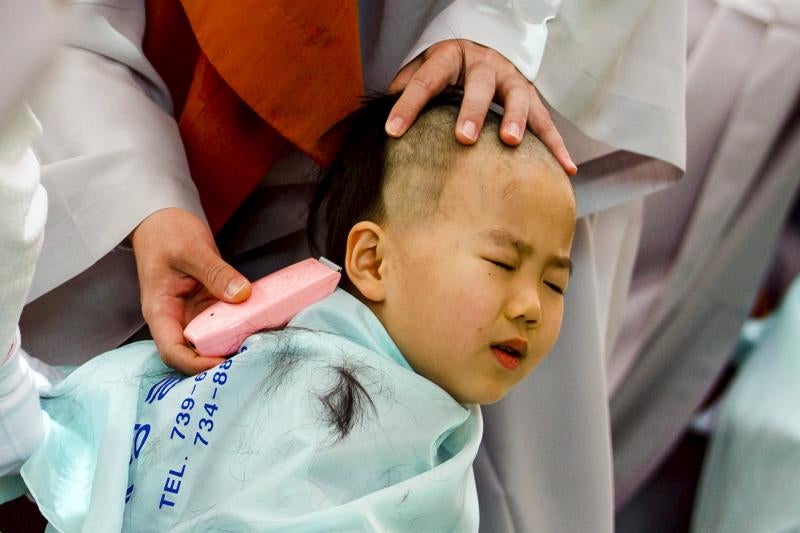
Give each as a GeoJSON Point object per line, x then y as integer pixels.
{"type": "Point", "coordinates": [23, 210]}
{"type": "Point", "coordinates": [24, 25]}
{"type": "Point", "coordinates": [707, 241]}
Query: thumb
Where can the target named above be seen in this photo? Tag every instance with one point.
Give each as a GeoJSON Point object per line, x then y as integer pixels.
{"type": "Point", "coordinates": [222, 280]}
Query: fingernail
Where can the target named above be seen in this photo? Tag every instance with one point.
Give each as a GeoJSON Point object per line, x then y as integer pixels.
{"type": "Point", "coordinates": [469, 130]}
{"type": "Point", "coordinates": [394, 126]}
{"type": "Point", "coordinates": [234, 287]}
{"type": "Point", "coordinates": [574, 166]}
{"type": "Point", "coordinates": [513, 129]}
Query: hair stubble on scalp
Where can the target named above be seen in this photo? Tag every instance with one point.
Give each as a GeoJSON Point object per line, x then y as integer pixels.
{"type": "Point", "coordinates": [374, 175]}
{"type": "Point", "coordinates": [418, 164]}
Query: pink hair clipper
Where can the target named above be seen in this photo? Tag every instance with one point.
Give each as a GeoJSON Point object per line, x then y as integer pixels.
{"type": "Point", "coordinates": [221, 328]}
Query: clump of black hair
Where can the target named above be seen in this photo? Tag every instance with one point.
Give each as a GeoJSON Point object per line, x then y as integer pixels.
{"type": "Point", "coordinates": [285, 358]}
{"type": "Point", "coordinates": [346, 402]}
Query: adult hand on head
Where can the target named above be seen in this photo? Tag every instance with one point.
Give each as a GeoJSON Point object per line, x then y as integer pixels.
{"type": "Point", "coordinates": [180, 274]}
{"type": "Point", "coordinates": [485, 76]}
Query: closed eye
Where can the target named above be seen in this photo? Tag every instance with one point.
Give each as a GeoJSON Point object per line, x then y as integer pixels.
{"type": "Point", "coordinates": [504, 266]}
{"type": "Point", "coordinates": [554, 287]}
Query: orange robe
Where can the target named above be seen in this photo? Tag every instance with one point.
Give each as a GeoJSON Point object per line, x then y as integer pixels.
{"type": "Point", "coordinates": [249, 79]}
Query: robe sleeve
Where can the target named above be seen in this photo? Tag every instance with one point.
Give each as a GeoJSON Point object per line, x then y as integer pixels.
{"type": "Point", "coordinates": [516, 30]}
{"type": "Point", "coordinates": [22, 422]}
{"type": "Point", "coordinates": [614, 82]}
{"type": "Point", "coordinates": [23, 210]}
{"type": "Point", "coordinates": [111, 153]}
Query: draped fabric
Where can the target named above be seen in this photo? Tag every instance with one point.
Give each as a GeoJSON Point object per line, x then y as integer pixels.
{"type": "Point", "coordinates": [240, 98]}
{"type": "Point", "coordinates": [707, 242]}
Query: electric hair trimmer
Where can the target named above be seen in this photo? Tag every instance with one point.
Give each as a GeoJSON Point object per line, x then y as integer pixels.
{"type": "Point", "coordinates": [275, 299]}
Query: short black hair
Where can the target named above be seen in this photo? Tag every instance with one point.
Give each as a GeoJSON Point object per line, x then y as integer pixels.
{"type": "Point", "coordinates": [349, 190]}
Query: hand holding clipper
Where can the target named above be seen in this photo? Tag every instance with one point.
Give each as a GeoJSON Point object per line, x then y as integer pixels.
{"type": "Point", "coordinates": [221, 328]}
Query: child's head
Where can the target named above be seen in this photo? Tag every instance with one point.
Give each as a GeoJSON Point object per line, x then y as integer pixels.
{"type": "Point", "coordinates": [461, 252]}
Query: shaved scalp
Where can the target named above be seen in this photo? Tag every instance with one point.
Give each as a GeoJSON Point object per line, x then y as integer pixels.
{"type": "Point", "coordinates": [399, 181]}
{"type": "Point", "coordinates": [417, 164]}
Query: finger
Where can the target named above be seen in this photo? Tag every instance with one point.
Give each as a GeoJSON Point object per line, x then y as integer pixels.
{"type": "Point", "coordinates": [404, 76]}
{"type": "Point", "coordinates": [438, 71]}
{"type": "Point", "coordinates": [479, 87]}
{"type": "Point", "coordinates": [516, 101]}
{"type": "Point", "coordinates": [221, 279]}
{"type": "Point", "coordinates": [168, 335]}
{"type": "Point", "coordinates": [540, 122]}
{"type": "Point", "coordinates": [184, 359]}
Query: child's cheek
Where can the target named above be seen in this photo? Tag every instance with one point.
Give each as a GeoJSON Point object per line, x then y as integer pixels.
{"type": "Point", "coordinates": [474, 307]}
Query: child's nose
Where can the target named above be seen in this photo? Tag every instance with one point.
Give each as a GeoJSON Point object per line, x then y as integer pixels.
{"type": "Point", "coordinates": [525, 304]}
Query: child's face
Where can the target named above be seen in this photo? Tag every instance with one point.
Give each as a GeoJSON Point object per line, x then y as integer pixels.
{"type": "Point", "coordinates": [483, 276]}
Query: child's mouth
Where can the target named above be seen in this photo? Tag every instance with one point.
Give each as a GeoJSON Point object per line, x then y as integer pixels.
{"type": "Point", "coordinates": [508, 356]}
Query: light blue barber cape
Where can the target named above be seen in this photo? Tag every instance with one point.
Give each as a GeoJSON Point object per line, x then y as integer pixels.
{"type": "Point", "coordinates": [751, 474]}
{"type": "Point", "coordinates": [249, 445]}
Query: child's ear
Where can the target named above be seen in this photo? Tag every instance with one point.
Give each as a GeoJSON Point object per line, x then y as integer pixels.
{"type": "Point", "coordinates": [366, 244]}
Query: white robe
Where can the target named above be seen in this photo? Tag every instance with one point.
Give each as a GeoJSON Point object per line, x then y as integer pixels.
{"type": "Point", "coordinates": [23, 211]}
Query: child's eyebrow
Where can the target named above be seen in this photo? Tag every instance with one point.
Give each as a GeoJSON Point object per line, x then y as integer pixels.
{"type": "Point", "coordinates": [562, 262]}
{"type": "Point", "coordinates": [503, 237]}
